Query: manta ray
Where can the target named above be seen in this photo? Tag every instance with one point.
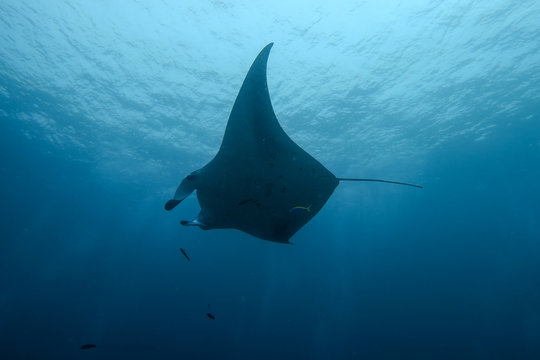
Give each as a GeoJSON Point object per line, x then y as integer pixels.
{"type": "Point", "coordinates": [260, 181]}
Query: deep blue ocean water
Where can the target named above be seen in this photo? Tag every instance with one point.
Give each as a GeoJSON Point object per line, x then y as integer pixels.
{"type": "Point", "coordinates": [106, 105]}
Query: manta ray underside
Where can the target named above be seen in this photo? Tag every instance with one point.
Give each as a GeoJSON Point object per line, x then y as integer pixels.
{"type": "Point", "coordinates": [260, 181]}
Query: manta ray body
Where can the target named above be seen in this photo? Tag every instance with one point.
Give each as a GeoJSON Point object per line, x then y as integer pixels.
{"type": "Point", "coordinates": [260, 181]}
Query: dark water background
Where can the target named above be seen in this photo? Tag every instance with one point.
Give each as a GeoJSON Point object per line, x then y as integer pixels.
{"type": "Point", "coordinates": [98, 127]}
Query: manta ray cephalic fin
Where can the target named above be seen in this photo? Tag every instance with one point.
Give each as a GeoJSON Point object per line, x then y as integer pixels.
{"type": "Point", "coordinates": [185, 188]}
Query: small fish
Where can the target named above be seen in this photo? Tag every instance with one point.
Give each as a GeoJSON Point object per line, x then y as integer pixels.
{"type": "Point", "coordinates": [211, 316]}
{"type": "Point", "coordinates": [186, 255]}
{"type": "Point", "coordinates": [306, 208]}
{"type": "Point", "coordinates": [87, 346]}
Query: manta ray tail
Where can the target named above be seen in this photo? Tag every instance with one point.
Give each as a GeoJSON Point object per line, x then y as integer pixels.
{"type": "Point", "coordinates": [378, 180]}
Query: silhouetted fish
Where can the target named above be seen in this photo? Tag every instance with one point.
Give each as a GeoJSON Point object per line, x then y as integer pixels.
{"type": "Point", "coordinates": [211, 316]}
{"type": "Point", "coordinates": [302, 208]}
{"type": "Point", "coordinates": [186, 255]}
{"type": "Point", "coordinates": [87, 346]}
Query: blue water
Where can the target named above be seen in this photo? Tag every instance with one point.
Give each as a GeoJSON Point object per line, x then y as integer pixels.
{"type": "Point", "coordinates": [106, 105]}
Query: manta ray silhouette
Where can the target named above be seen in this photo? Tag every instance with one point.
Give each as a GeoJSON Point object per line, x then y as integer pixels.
{"type": "Point", "coordinates": [260, 181]}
